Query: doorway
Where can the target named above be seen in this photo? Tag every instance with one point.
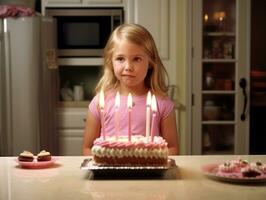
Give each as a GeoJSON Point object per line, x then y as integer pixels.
{"type": "Point", "coordinates": [258, 78]}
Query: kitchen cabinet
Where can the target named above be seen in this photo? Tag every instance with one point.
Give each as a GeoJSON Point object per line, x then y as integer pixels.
{"type": "Point", "coordinates": [111, 2]}
{"type": "Point", "coordinates": [70, 129]}
{"type": "Point", "coordinates": [219, 86]}
{"type": "Point", "coordinates": [82, 3]}
{"type": "Point", "coordinates": [159, 17]}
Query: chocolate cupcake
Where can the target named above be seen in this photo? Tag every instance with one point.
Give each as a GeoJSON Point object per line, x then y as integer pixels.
{"type": "Point", "coordinates": [250, 172]}
{"type": "Point", "coordinates": [44, 156]}
{"type": "Point", "coordinates": [26, 156]}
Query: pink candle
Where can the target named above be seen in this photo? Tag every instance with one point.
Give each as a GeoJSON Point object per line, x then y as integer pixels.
{"type": "Point", "coordinates": [117, 104]}
{"type": "Point", "coordinates": [148, 115]}
{"type": "Point", "coordinates": [101, 105]}
{"type": "Point", "coordinates": [154, 110]}
{"type": "Point", "coordinates": [129, 105]}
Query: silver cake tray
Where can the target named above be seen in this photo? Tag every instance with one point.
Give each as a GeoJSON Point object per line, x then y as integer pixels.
{"type": "Point", "coordinates": [127, 171]}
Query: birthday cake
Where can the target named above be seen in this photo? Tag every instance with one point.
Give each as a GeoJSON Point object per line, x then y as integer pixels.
{"type": "Point", "coordinates": [138, 151]}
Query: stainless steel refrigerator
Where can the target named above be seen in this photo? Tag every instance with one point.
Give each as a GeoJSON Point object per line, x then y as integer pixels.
{"type": "Point", "coordinates": [26, 94]}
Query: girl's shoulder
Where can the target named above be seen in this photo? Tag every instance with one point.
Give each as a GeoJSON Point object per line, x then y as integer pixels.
{"type": "Point", "coordinates": [107, 94]}
{"type": "Point", "coordinates": [164, 105]}
{"type": "Point", "coordinates": [164, 101]}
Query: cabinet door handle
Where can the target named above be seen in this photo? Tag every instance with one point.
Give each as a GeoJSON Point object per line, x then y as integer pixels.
{"type": "Point", "coordinates": [84, 119]}
{"type": "Point", "coordinates": [243, 84]}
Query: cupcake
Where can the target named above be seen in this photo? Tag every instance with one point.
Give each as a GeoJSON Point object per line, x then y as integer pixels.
{"type": "Point", "coordinates": [259, 166]}
{"type": "Point", "coordinates": [250, 171]}
{"type": "Point", "coordinates": [44, 156]}
{"type": "Point", "coordinates": [26, 156]}
{"type": "Point", "coordinates": [227, 167]}
{"type": "Point", "coordinates": [240, 162]}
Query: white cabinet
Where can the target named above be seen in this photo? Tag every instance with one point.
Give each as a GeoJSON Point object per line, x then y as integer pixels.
{"type": "Point", "coordinates": [105, 2]}
{"type": "Point", "coordinates": [70, 129]}
{"type": "Point", "coordinates": [82, 3]}
{"type": "Point", "coordinates": [159, 17]}
{"type": "Point", "coordinates": [153, 15]}
{"type": "Point", "coordinates": [219, 118]}
{"type": "Point", "coordinates": [61, 1]}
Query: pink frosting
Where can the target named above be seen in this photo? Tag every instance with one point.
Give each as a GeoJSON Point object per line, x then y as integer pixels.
{"type": "Point", "coordinates": [137, 141]}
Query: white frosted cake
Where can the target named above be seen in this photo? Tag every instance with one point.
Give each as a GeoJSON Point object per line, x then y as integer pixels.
{"type": "Point", "coordinates": [138, 151]}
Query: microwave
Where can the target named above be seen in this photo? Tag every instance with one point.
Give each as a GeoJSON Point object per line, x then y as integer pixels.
{"type": "Point", "coordinates": [83, 32]}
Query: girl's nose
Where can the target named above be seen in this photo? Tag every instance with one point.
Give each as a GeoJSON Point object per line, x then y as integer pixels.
{"type": "Point", "coordinates": [128, 66]}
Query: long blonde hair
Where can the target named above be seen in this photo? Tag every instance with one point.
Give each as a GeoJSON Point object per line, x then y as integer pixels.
{"type": "Point", "coordinates": [156, 77]}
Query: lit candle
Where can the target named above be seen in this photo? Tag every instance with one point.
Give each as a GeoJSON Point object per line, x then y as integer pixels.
{"type": "Point", "coordinates": [117, 104]}
{"type": "Point", "coordinates": [129, 105]}
{"type": "Point", "coordinates": [148, 115]}
{"type": "Point", "coordinates": [206, 18]}
{"type": "Point", "coordinates": [154, 110]}
{"type": "Point", "coordinates": [101, 105]}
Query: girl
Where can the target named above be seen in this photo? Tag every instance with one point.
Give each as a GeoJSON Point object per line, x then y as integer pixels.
{"type": "Point", "coordinates": [131, 65]}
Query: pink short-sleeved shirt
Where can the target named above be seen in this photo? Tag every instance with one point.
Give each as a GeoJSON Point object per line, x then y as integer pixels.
{"type": "Point", "coordinates": [138, 114]}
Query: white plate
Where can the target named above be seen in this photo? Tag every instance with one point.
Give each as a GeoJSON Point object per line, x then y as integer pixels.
{"type": "Point", "coordinates": [210, 170]}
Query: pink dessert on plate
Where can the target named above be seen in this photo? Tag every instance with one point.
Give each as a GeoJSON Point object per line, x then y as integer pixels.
{"type": "Point", "coordinates": [239, 168]}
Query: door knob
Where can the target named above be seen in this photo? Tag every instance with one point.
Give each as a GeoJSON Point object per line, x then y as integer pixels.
{"type": "Point", "coordinates": [243, 85]}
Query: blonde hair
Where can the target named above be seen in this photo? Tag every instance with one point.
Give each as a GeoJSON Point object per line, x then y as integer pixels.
{"type": "Point", "coordinates": [156, 77]}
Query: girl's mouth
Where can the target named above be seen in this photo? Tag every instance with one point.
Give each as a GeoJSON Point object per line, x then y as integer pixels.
{"type": "Point", "coordinates": [128, 76]}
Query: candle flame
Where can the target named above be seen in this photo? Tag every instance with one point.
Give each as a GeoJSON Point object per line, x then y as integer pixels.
{"type": "Point", "coordinates": [219, 15]}
{"type": "Point", "coordinates": [148, 101]}
{"type": "Point", "coordinates": [117, 100]}
{"type": "Point", "coordinates": [101, 100]}
{"type": "Point", "coordinates": [206, 17]}
{"type": "Point", "coordinates": [129, 101]}
{"type": "Point", "coordinates": [153, 104]}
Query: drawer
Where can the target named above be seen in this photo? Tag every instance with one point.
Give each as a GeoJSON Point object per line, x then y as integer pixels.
{"type": "Point", "coordinates": [70, 142]}
{"type": "Point", "coordinates": [71, 118]}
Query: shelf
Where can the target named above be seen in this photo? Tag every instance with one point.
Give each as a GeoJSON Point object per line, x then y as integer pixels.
{"type": "Point", "coordinates": [218, 92]}
{"type": "Point", "coordinates": [74, 104]}
{"type": "Point", "coordinates": [208, 60]}
{"type": "Point", "coordinates": [80, 61]}
{"type": "Point", "coordinates": [219, 34]}
{"type": "Point", "coordinates": [218, 122]}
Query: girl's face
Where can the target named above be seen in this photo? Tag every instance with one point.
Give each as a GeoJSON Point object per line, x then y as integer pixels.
{"type": "Point", "coordinates": [130, 64]}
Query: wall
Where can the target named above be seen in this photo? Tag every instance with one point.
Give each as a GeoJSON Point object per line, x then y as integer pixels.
{"type": "Point", "coordinates": [182, 73]}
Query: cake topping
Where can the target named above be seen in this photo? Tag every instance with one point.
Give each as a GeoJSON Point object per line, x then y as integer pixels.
{"type": "Point", "coordinates": [26, 154]}
{"type": "Point", "coordinates": [44, 153]}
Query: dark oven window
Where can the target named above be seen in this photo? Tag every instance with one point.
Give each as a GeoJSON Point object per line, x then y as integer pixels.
{"type": "Point", "coordinates": [81, 32]}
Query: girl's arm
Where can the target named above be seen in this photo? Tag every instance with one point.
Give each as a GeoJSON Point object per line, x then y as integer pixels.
{"type": "Point", "coordinates": [169, 133]}
{"type": "Point", "coordinates": [92, 131]}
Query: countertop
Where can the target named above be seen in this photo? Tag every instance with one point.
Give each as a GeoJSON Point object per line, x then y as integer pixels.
{"type": "Point", "coordinates": [65, 180]}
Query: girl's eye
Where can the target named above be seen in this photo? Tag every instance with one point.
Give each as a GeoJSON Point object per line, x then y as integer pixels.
{"type": "Point", "coordinates": [137, 59]}
{"type": "Point", "coordinates": [119, 59]}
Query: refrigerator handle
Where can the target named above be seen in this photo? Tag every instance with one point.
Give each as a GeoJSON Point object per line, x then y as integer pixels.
{"type": "Point", "coordinates": [8, 91]}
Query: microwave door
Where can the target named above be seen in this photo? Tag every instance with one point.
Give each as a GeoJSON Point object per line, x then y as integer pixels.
{"type": "Point", "coordinates": [82, 36]}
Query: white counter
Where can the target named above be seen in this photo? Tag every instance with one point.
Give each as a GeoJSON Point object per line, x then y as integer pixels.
{"type": "Point", "coordinates": [66, 181]}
